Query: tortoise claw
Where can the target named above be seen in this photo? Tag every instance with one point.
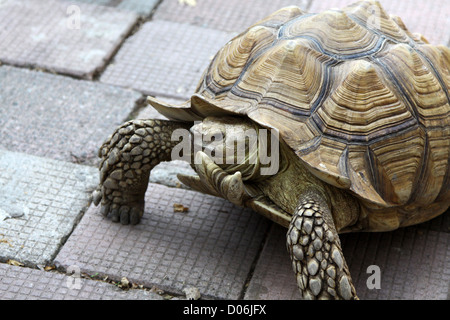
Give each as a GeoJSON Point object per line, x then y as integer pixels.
{"type": "Point", "coordinates": [96, 196]}
{"type": "Point", "coordinates": [131, 213]}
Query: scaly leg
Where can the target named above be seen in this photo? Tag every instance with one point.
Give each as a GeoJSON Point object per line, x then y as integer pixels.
{"type": "Point", "coordinates": [128, 156]}
{"type": "Point", "coordinates": [316, 253]}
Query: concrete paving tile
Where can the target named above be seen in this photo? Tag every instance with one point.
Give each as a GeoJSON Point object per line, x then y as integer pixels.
{"type": "Point", "coordinates": [414, 264]}
{"type": "Point", "coordinates": [166, 173]}
{"type": "Point", "coordinates": [19, 283]}
{"type": "Point", "coordinates": [439, 224]}
{"type": "Point", "coordinates": [61, 37]}
{"type": "Point", "coordinates": [211, 247]}
{"type": "Point", "coordinates": [58, 117]}
{"type": "Point", "coordinates": [40, 201]}
{"type": "Point", "coordinates": [141, 7]}
{"type": "Point", "coordinates": [430, 18]}
{"type": "Point", "coordinates": [231, 15]}
{"type": "Point", "coordinates": [273, 278]}
{"type": "Point", "coordinates": [165, 58]}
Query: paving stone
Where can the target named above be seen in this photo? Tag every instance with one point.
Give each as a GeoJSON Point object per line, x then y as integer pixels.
{"type": "Point", "coordinates": [231, 15]}
{"type": "Point", "coordinates": [141, 7]}
{"type": "Point", "coordinates": [165, 58]}
{"type": "Point", "coordinates": [58, 117]}
{"type": "Point", "coordinates": [40, 201]}
{"type": "Point", "coordinates": [273, 278]}
{"type": "Point", "coordinates": [18, 283]}
{"type": "Point", "coordinates": [430, 18]}
{"type": "Point", "coordinates": [61, 37]}
{"type": "Point", "coordinates": [211, 247]}
{"type": "Point", "coordinates": [414, 264]}
{"type": "Point", "coordinates": [439, 224]}
{"type": "Point", "coordinates": [166, 173]}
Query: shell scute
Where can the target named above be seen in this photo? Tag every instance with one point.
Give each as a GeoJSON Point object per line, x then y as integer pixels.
{"type": "Point", "coordinates": [362, 107]}
{"type": "Point", "coordinates": [372, 16]}
{"type": "Point", "coordinates": [335, 33]}
{"type": "Point", "coordinates": [234, 57]}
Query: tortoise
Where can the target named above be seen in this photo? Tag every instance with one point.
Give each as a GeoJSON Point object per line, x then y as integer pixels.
{"type": "Point", "coordinates": [357, 111]}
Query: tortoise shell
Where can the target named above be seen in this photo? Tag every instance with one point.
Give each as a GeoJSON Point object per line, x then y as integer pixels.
{"type": "Point", "coordinates": [363, 102]}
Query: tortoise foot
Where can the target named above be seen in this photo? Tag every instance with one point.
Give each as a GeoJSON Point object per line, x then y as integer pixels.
{"type": "Point", "coordinates": [128, 156]}
{"type": "Point", "coordinates": [121, 207]}
{"type": "Point", "coordinates": [130, 213]}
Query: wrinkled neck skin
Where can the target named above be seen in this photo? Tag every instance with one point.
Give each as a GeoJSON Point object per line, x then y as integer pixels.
{"type": "Point", "coordinates": [294, 180]}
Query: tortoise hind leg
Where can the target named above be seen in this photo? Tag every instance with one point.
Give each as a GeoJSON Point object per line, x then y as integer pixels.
{"type": "Point", "coordinates": [316, 253]}
{"type": "Point", "coordinates": [128, 156]}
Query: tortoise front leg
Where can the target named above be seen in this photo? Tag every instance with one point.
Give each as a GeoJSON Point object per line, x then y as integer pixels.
{"type": "Point", "coordinates": [128, 156]}
{"type": "Point", "coordinates": [316, 253]}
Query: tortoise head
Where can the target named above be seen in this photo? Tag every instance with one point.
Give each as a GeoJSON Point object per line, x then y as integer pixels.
{"type": "Point", "coordinates": [236, 144]}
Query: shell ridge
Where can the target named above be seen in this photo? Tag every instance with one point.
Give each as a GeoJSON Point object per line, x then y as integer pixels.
{"type": "Point", "coordinates": [445, 190]}
{"type": "Point", "coordinates": [400, 165]}
{"type": "Point", "coordinates": [312, 145]}
{"type": "Point", "coordinates": [343, 163]}
{"type": "Point", "coordinates": [418, 188]}
{"type": "Point", "coordinates": [325, 88]}
{"type": "Point", "coordinates": [360, 173]}
{"type": "Point", "coordinates": [379, 178]}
